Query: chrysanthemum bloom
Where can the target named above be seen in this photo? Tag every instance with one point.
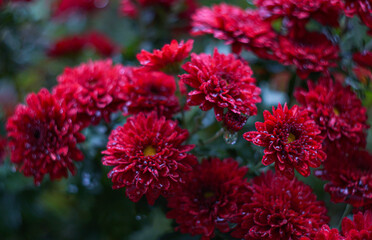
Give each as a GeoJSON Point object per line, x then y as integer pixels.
{"type": "Point", "coordinates": [128, 8]}
{"type": "Point", "coordinates": [300, 10]}
{"type": "Point", "coordinates": [312, 52]}
{"type": "Point", "coordinates": [279, 208]}
{"type": "Point", "coordinates": [168, 59]}
{"type": "Point", "coordinates": [63, 7]}
{"type": "Point", "coordinates": [43, 137]}
{"type": "Point", "coordinates": [209, 198]}
{"type": "Point", "coordinates": [235, 26]}
{"type": "Point", "coordinates": [325, 233]}
{"type": "Point", "coordinates": [291, 140]}
{"type": "Point", "coordinates": [148, 156]}
{"type": "Point", "coordinates": [337, 111]}
{"type": "Point", "coordinates": [74, 44]}
{"type": "Point", "coordinates": [358, 229]}
{"type": "Point", "coordinates": [147, 91]}
{"type": "Point", "coordinates": [221, 82]}
{"type": "Point", "coordinates": [363, 8]}
{"type": "Point", "coordinates": [91, 89]}
{"type": "Point", "coordinates": [349, 176]}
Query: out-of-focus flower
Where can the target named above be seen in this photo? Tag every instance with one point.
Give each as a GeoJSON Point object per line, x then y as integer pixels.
{"type": "Point", "coordinates": [278, 208]}
{"type": "Point", "coordinates": [349, 176]}
{"type": "Point", "coordinates": [363, 59]}
{"type": "Point", "coordinates": [93, 89]}
{"type": "Point", "coordinates": [238, 27]}
{"type": "Point", "coordinates": [325, 233]}
{"type": "Point", "coordinates": [96, 41]}
{"type": "Point", "coordinates": [168, 59]}
{"type": "Point", "coordinates": [363, 8]}
{"type": "Point", "coordinates": [358, 229]}
{"type": "Point", "coordinates": [43, 137]}
{"type": "Point", "coordinates": [148, 156]}
{"type": "Point", "coordinates": [128, 8]}
{"type": "Point", "coordinates": [209, 198]}
{"type": "Point", "coordinates": [3, 147]}
{"type": "Point", "coordinates": [64, 7]}
{"type": "Point", "coordinates": [311, 52]}
{"type": "Point", "coordinates": [221, 82]}
{"type": "Point", "coordinates": [147, 91]}
{"type": "Point", "coordinates": [291, 140]}
{"type": "Point", "coordinates": [337, 111]}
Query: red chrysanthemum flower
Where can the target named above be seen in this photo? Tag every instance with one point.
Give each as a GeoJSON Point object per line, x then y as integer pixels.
{"type": "Point", "coordinates": [96, 41]}
{"type": "Point", "coordinates": [311, 52]}
{"type": "Point", "coordinates": [291, 140]}
{"type": "Point", "coordinates": [358, 229]}
{"type": "Point", "coordinates": [93, 89]}
{"type": "Point", "coordinates": [147, 91]}
{"type": "Point", "coordinates": [236, 26]}
{"type": "Point", "coordinates": [363, 8]}
{"type": "Point", "coordinates": [148, 156]}
{"type": "Point", "coordinates": [168, 59]}
{"type": "Point", "coordinates": [63, 7]}
{"type": "Point", "coordinates": [43, 137]}
{"type": "Point", "coordinates": [325, 233]}
{"type": "Point", "coordinates": [209, 198]}
{"type": "Point", "coordinates": [221, 82]}
{"type": "Point", "coordinates": [349, 176]}
{"type": "Point", "coordinates": [278, 208]}
{"type": "Point", "coordinates": [3, 147]}
{"type": "Point", "coordinates": [300, 10]}
{"type": "Point", "coordinates": [337, 111]}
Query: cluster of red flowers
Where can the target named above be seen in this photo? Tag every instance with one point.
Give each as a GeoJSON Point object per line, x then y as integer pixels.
{"type": "Point", "coordinates": [75, 44]}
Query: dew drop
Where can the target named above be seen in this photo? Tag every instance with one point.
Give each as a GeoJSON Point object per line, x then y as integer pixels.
{"type": "Point", "coordinates": [230, 137]}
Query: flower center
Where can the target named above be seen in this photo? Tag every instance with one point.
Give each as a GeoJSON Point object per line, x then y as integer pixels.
{"type": "Point", "coordinates": [208, 195]}
{"type": "Point", "coordinates": [149, 151]}
{"type": "Point", "coordinates": [336, 111]}
{"type": "Point", "coordinates": [291, 137]}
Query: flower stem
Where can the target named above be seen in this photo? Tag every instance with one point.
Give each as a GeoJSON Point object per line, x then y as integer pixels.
{"type": "Point", "coordinates": [346, 212]}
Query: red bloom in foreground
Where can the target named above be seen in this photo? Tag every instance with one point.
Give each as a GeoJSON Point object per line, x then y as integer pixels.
{"type": "Point", "coordinates": [77, 43]}
{"type": "Point", "coordinates": [278, 208]}
{"type": "Point", "coordinates": [147, 91]}
{"type": "Point", "coordinates": [93, 89]}
{"type": "Point", "coordinates": [349, 176]}
{"type": "Point", "coordinates": [236, 26]}
{"type": "Point", "coordinates": [43, 137]}
{"type": "Point", "coordinates": [291, 140]}
{"type": "Point", "coordinates": [338, 112]}
{"type": "Point", "coordinates": [168, 59]}
{"type": "Point", "coordinates": [209, 197]}
{"type": "Point", "coordinates": [221, 81]}
{"type": "Point", "coordinates": [358, 229]}
{"type": "Point", "coordinates": [148, 156]}
{"type": "Point", "coordinates": [312, 52]}
{"type": "Point", "coordinates": [325, 233]}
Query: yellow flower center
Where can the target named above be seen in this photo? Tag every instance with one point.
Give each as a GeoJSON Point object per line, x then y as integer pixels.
{"type": "Point", "coordinates": [336, 111]}
{"type": "Point", "coordinates": [291, 138]}
{"type": "Point", "coordinates": [208, 195]}
{"type": "Point", "coordinates": [149, 151]}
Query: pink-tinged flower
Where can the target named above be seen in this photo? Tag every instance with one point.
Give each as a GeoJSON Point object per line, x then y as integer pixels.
{"type": "Point", "coordinates": [63, 7]}
{"type": "Point", "coordinates": [208, 199]}
{"type": "Point", "coordinates": [168, 59]}
{"type": "Point", "coordinates": [300, 10]}
{"type": "Point", "coordinates": [128, 8]}
{"type": "Point", "coordinates": [93, 89]}
{"type": "Point", "coordinates": [221, 82]}
{"type": "Point", "coordinates": [148, 156]}
{"type": "Point", "coordinates": [325, 233]}
{"type": "Point", "coordinates": [291, 140]}
{"type": "Point", "coordinates": [349, 176]}
{"type": "Point", "coordinates": [240, 28]}
{"type": "Point", "coordinates": [337, 111]}
{"type": "Point", "coordinates": [363, 59]}
{"type": "Point", "coordinates": [147, 91]}
{"type": "Point", "coordinates": [278, 208]}
{"type": "Point", "coordinates": [363, 8]}
{"type": "Point", "coordinates": [75, 44]}
{"type": "Point", "coordinates": [43, 137]}
{"type": "Point", "coordinates": [311, 52]}
{"type": "Point", "coordinates": [3, 148]}
{"type": "Point", "coordinates": [358, 229]}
